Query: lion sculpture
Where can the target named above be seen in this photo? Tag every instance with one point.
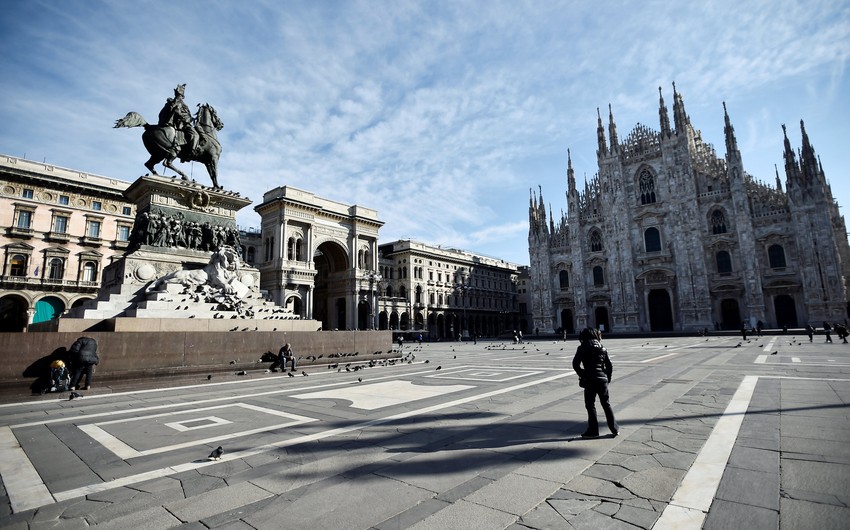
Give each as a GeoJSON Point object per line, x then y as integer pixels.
{"type": "Point", "coordinates": [220, 273]}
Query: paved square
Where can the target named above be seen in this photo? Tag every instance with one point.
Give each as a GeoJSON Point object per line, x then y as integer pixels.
{"type": "Point", "coordinates": [146, 435]}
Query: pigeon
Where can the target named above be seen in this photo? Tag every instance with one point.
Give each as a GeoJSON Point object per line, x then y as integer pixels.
{"type": "Point", "coordinates": [439, 368]}
{"type": "Point", "coordinates": [427, 361]}
{"type": "Point", "coordinates": [216, 455]}
{"type": "Point", "coordinates": [290, 374]}
{"type": "Point", "coordinates": [209, 377]}
{"type": "Point", "coordinates": [74, 395]}
{"type": "Point", "coordinates": [303, 373]}
{"type": "Point", "coordinates": [359, 379]}
{"type": "Point", "coordinates": [233, 362]}
{"type": "Point", "coordinates": [242, 372]}
{"type": "Point", "coordinates": [774, 353]}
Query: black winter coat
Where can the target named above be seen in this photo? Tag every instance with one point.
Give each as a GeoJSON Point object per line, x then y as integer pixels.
{"type": "Point", "coordinates": [591, 362]}
{"type": "Point", "coordinates": [84, 351]}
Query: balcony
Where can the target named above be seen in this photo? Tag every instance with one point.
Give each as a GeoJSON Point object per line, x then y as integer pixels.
{"type": "Point", "coordinates": [20, 231]}
{"type": "Point", "coordinates": [59, 236]}
{"type": "Point", "coordinates": [93, 241]}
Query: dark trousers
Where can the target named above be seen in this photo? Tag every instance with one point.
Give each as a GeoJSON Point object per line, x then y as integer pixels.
{"type": "Point", "coordinates": [281, 363]}
{"type": "Point", "coordinates": [592, 389]}
{"type": "Point", "coordinates": [78, 374]}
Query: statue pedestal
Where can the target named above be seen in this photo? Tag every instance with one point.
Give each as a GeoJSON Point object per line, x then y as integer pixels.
{"type": "Point", "coordinates": [182, 232]}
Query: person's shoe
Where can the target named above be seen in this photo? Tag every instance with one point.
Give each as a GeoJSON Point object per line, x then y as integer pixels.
{"type": "Point", "coordinates": [72, 388]}
{"type": "Point", "coordinates": [614, 434]}
{"type": "Point", "coordinates": [88, 387]}
{"type": "Point", "coordinates": [589, 435]}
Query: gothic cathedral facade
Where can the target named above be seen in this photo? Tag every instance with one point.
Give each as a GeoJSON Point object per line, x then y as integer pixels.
{"type": "Point", "coordinates": [667, 236]}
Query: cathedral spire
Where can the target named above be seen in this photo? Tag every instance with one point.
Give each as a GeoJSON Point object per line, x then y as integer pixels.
{"type": "Point", "coordinates": [808, 159]}
{"type": "Point", "coordinates": [729, 131]}
{"type": "Point", "coordinates": [680, 118]}
{"type": "Point", "coordinates": [571, 176]}
{"type": "Point", "coordinates": [600, 136]}
{"type": "Point", "coordinates": [778, 181]}
{"type": "Point", "coordinates": [663, 117]}
{"type": "Point", "coordinates": [612, 131]}
{"type": "Point", "coordinates": [791, 169]}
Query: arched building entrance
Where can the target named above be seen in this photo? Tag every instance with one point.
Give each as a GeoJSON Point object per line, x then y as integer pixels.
{"type": "Point", "coordinates": [660, 310]}
{"type": "Point", "coordinates": [48, 308]}
{"type": "Point", "coordinates": [785, 310]}
{"type": "Point", "coordinates": [329, 294]}
{"type": "Point", "coordinates": [567, 324]}
{"type": "Point", "coordinates": [601, 314]}
{"type": "Point", "coordinates": [13, 313]}
{"type": "Point", "coordinates": [320, 258]}
{"type": "Point", "coordinates": [730, 314]}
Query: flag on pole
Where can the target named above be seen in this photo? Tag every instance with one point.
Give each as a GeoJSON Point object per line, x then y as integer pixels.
{"type": "Point", "coordinates": [36, 271]}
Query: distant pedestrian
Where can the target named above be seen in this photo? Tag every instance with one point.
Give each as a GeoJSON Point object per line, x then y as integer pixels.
{"type": "Point", "coordinates": [744, 330]}
{"type": "Point", "coordinates": [83, 354]}
{"type": "Point", "coordinates": [827, 329]}
{"type": "Point", "coordinates": [841, 331]}
{"type": "Point", "coordinates": [759, 327]}
{"type": "Point", "coordinates": [594, 370]}
{"type": "Point", "coordinates": [810, 331]}
{"type": "Point", "coordinates": [400, 342]}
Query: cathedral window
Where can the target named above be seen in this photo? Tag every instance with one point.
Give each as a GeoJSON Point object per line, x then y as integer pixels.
{"type": "Point", "coordinates": [389, 291]}
{"type": "Point", "coordinates": [646, 182]}
{"type": "Point", "coordinates": [652, 239]}
{"type": "Point", "coordinates": [595, 241]}
{"type": "Point", "coordinates": [564, 280]}
{"type": "Point", "coordinates": [724, 263]}
{"type": "Point", "coordinates": [718, 222]}
{"type": "Point", "coordinates": [598, 276]}
{"type": "Point", "coordinates": [776, 256]}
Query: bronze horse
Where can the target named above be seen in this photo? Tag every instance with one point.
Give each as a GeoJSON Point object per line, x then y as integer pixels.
{"type": "Point", "coordinates": [165, 144]}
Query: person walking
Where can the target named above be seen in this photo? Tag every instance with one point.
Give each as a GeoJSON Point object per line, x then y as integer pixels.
{"type": "Point", "coordinates": [83, 354]}
{"type": "Point", "coordinates": [810, 331]}
{"type": "Point", "coordinates": [827, 329]}
{"type": "Point", "coordinates": [594, 370]}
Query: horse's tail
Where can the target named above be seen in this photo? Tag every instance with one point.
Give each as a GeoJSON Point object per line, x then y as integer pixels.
{"type": "Point", "coordinates": [132, 119]}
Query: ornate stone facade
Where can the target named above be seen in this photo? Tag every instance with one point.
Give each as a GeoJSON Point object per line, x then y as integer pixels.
{"type": "Point", "coordinates": [668, 236]}
{"type": "Point", "coordinates": [319, 257]}
{"type": "Point", "coordinates": [446, 292]}
{"type": "Point", "coordinates": [60, 229]}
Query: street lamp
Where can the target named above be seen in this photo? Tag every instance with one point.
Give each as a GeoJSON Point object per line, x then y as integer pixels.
{"type": "Point", "coordinates": [372, 277]}
{"type": "Point", "coordinates": [463, 288]}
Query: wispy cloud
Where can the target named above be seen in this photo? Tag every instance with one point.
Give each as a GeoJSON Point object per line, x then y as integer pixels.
{"type": "Point", "coordinates": [439, 115]}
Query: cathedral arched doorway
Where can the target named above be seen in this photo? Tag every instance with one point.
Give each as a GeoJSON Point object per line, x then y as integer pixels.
{"type": "Point", "coordinates": [329, 293]}
{"type": "Point", "coordinates": [601, 315]}
{"type": "Point", "coordinates": [13, 313]}
{"type": "Point", "coordinates": [383, 320]}
{"type": "Point", "coordinates": [730, 314]}
{"type": "Point", "coordinates": [567, 324]}
{"type": "Point", "coordinates": [48, 308]}
{"type": "Point", "coordinates": [785, 310]}
{"type": "Point", "coordinates": [441, 326]}
{"type": "Point", "coordinates": [660, 310]}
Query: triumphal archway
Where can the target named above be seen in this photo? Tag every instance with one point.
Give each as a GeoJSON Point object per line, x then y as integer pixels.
{"type": "Point", "coordinates": [319, 257]}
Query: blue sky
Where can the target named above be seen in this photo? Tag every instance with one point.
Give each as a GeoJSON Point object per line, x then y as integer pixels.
{"type": "Point", "coordinates": [442, 115]}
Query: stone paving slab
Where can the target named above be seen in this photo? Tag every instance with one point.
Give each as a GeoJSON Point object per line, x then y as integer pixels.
{"type": "Point", "coordinates": [511, 460]}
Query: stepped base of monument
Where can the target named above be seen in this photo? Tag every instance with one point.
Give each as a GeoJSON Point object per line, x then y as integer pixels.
{"type": "Point", "coordinates": [131, 325]}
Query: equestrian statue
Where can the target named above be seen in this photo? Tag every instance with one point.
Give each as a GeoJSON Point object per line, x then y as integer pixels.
{"type": "Point", "coordinates": [179, 134]}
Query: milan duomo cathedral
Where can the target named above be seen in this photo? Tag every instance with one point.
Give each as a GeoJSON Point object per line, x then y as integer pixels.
{"type": "Point", "coordinates": [669, 236]}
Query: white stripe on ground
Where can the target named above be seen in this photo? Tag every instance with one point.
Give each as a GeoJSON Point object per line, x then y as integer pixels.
{"type": "Point", "coordinates": [24, 486]}
{"type": "Point", "coordinates": [690, 503]}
